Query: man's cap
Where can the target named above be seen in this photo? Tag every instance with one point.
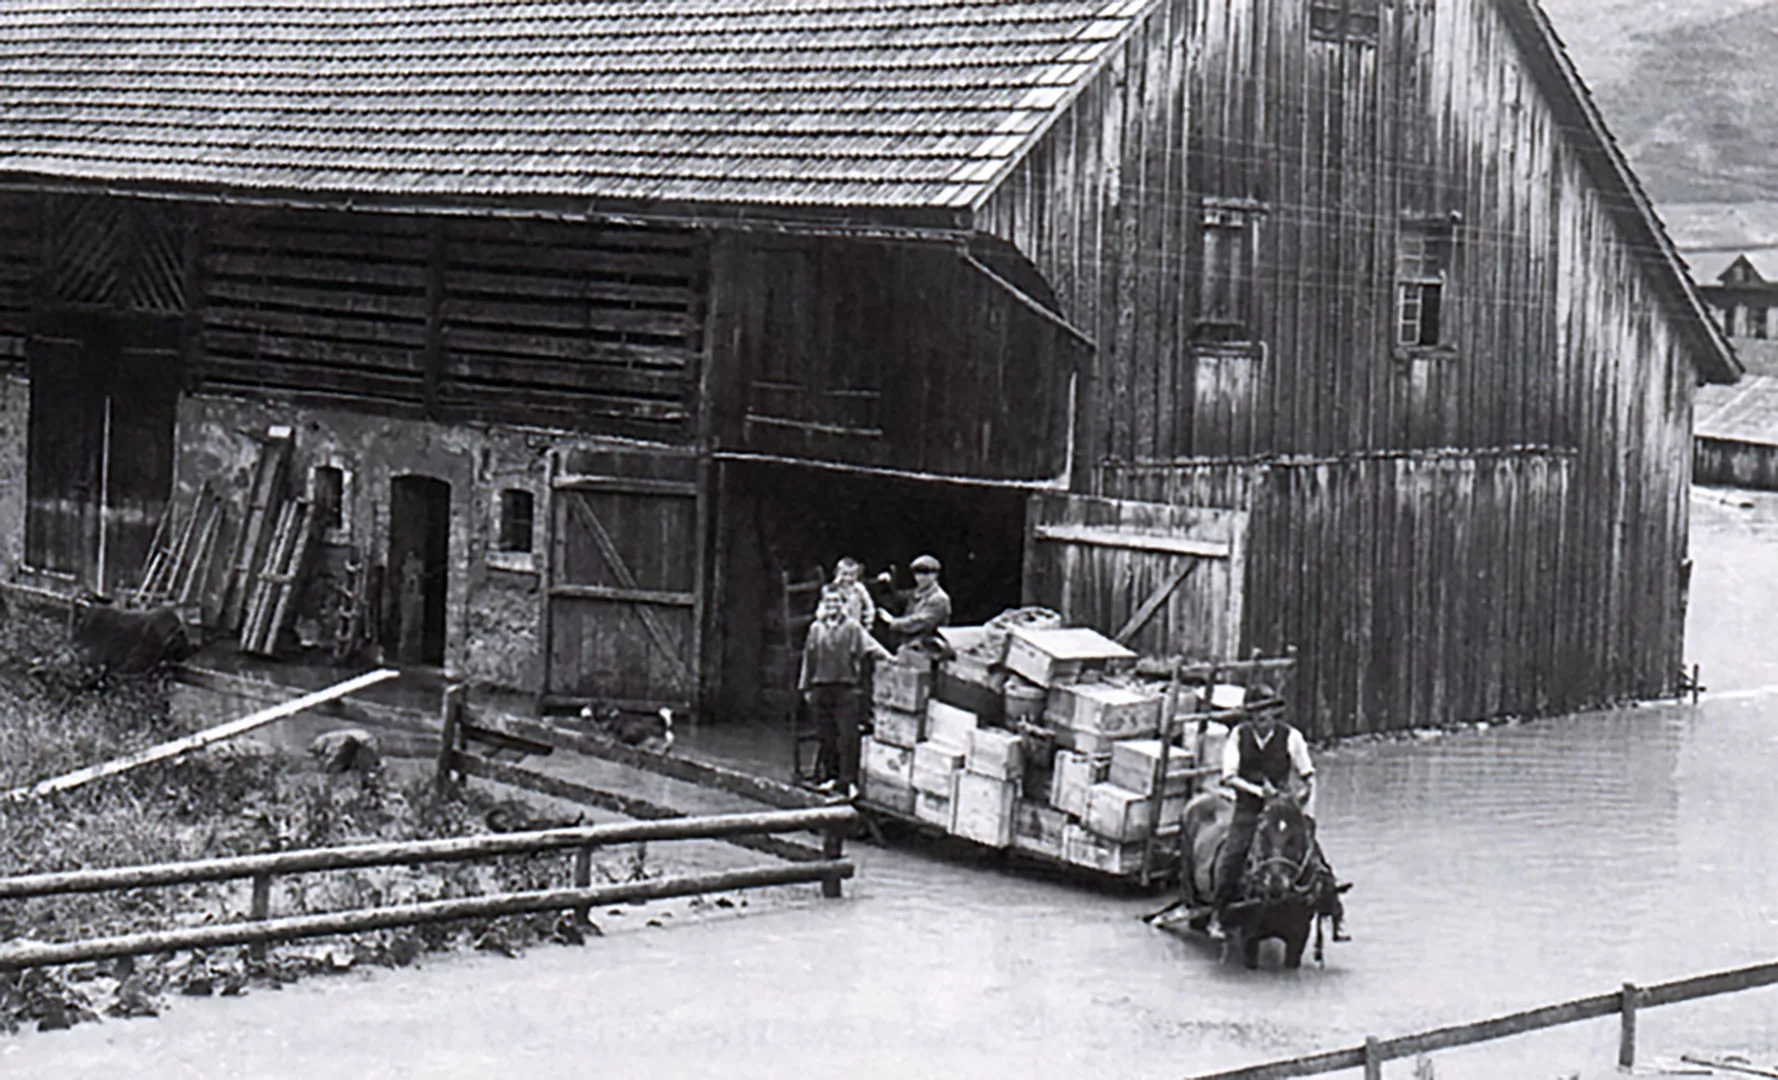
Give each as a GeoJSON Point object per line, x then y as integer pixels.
{"type": "Point", "coordinates": [1261, 698]}
{"type": "Point", "coordinates": [925, 562]}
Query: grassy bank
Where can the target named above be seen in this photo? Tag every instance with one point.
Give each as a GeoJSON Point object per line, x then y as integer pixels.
{"type": "Point", "coordinates": [56, 715]}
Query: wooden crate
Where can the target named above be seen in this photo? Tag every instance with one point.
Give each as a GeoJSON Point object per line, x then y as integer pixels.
{"type": "Point", "coordinates": [1118, 813]}
{"type": "Point", "coordinates": [1048, 657]}
{"type": "Point", "coordinates": [1119, 712]}
{"type": "Point", "coordinates": [896, 727]}
{"type": "Point", "coordinates": [936, 765]}
{"type": "Point", "coordinates": [901, 686]}
{"type": "Point", "coordinates": [1133, 764]}
{"type": "Point", "coordinates": [970, 684]}
{"type": "Point", "coordinates": [935, 809]}
{"type": "Point", "coordinates": [1090, 743]}
{"type": "Point", "coordinates": [984, 809]}
{"type": "Point", "coordinates": [888, 761]}
{"type": "Point", "coordinates": [1074, 774]}
{"type": "Point", "coordinates": [949, 724]}
{"type": "Point", "coordinates": [1038, 828]}
{"type": "Point", "coordinates": [885, 792]}
{"type": "Point", "coordinates": [996, 752]}
{"type": "Point", "coordinates": [1082, 848]}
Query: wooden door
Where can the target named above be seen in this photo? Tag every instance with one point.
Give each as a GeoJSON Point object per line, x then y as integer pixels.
{"type": "Point", "coordinates": [1164, 580]}
{"type": "Point", "coordinates": [626, 580]}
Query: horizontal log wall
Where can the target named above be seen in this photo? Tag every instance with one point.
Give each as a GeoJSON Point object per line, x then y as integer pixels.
{"type": "Point", "coordinates": [575, 326]}
{"type": "Point", "coordinates": [20, 254]}
{"type": "Point", "coordinates": [1561, 332]}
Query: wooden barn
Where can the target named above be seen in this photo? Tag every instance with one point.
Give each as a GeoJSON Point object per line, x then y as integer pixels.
{"type": "Point", "coordinates": [541, 343]}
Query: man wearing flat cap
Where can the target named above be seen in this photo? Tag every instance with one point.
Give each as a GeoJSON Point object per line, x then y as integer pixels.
{"type": "Point", "coordinates": [928, 608]}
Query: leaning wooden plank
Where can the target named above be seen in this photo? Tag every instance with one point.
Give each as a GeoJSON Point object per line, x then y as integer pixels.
{"type": "Point", "coordinates": [290, 579]}
{"type": "Point", "coordinates": [201, 738]}
{"type": "Point", "coordinates": [1106, 536]}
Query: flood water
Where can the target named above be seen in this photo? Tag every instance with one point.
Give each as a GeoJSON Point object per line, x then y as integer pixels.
{"type": "Point", "coordinates": [1495, 870]}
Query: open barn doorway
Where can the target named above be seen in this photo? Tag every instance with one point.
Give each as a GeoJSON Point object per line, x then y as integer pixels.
{"type": "Point", "coordinates": [419, 568]}
{"type": "Point", "coordinates": [780, 520]}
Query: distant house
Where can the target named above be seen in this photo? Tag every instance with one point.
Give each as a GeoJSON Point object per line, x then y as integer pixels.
{"type": "Point", "coordinates": [1732, 250]}
{"type": "Point", "coordinates": [1225, 325]}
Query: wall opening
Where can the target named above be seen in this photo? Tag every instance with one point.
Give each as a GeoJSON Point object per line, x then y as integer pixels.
{"type": "Point", "coordinates": [419, 569]}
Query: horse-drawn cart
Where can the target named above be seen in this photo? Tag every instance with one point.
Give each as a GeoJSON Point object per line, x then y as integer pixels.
{"type": "Point", "coordinates": [1103, 801]}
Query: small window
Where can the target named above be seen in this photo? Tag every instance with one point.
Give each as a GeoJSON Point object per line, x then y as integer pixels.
{"type": "Point", "coordinates": [1226, 280]}
{"type": "Point", "coordinates": [516, 508]}
{"type": "Point", "coordinates": [1421, 268]}
{"type": "Point", "coordinates": [1344, 20]}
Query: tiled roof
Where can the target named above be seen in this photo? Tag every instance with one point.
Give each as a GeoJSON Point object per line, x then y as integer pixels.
{"type": "Point", "coordinates": [831, 103]}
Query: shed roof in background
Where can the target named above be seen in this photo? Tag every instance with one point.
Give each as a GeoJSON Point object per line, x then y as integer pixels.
{"type": "Point", "coordinates": [1746, 412]}
{"type": "Point", "coordinates": [883, 103]}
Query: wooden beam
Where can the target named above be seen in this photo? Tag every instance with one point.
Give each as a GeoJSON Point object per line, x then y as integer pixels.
{"type": "Point", "coordinates": [1139, 618]}
{"type": "Point", "coordinates": [622, 596]}
{"type": "Point", "coordinates": [1107, 536]}
{"type": "Point", "coordinates": [202, 738]}
{"type": "Point", "coordinates": [624, 485]}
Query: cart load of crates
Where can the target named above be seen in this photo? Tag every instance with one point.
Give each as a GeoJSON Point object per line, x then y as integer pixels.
{"type": "Point", "coordinates": [1051, 741]}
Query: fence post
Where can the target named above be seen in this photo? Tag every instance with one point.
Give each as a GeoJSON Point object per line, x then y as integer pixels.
{"type": "Point", "coordinates": [260, 911]}
{"type": "Point", "coordinates": [583, 878]}
{"type": "Point", "coordinates": [1626, 1040]}
{"type": "Point", "coordinates": [833, 846]}
{"type": "Point", "coordinates": [1373, 1058]}
{"type": "Point", "coordinates": [449, 714]}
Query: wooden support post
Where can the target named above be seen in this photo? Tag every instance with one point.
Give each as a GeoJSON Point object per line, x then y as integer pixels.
{"type": "Point", "coordinates": [833, 846]}
{"type": "Point", "coordinates": [1626, 1039]}
{"type": "Point", "coordinates": [260, 911]}
{"type": "Point", "coordinates": [1373, 1058]}
{"type": "Point", "coordinates": [450, 713]}
{"type": "Point", "coordinates": [583, 878]}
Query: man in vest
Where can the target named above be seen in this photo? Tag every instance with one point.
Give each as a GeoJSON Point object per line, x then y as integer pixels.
{"type": "Point", "coordinates": [1263, 754]}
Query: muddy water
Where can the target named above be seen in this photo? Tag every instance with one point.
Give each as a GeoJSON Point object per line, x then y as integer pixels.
{"type": "Point", "coordinates": [1496, 870]}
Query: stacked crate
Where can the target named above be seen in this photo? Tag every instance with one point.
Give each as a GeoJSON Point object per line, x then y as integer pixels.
{"type": "Point", "coordinates": [899, 694]}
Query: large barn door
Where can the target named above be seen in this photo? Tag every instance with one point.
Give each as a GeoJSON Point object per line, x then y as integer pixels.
{"type": "Point", "coordinates": [1164, 580]}
{"type": "Point", "coordinates": [625, 580]}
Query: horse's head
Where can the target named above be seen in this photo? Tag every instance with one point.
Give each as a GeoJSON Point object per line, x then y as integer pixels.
{"type": "Point", "coordinates": [1278, 863]}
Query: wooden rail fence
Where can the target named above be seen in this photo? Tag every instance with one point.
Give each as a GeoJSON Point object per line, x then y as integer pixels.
{"type": "Point", "coordinates": [261, 928]}
{"type": "Point", "coordinates": [1625, 1002]}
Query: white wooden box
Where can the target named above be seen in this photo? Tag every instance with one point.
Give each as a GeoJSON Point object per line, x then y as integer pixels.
{"type": "Point", "coordinates": [984, 809]}
{"type": "Point", "coordinates": [887, 761]}
{"type": "Point", "coordinates": [1111, 856]}
{"type": "Point", "coordinates": [1134, 761]}
{"type": "Point", "coordinates": [997, 753]}
{"type": "Point", "coordinates": [896, 727]}
{"type": "Point", "coordinates": [1048, 657]}
{"type": "Point", "coordinates": [901, 686]}
{"type": "Point", "coordinates": [1074, 774]}
{"type": "Point", "coordinates": [1118, 813]}
{"type": "Point", "coordinates": [887, 792]}
{"type": "Point", "coordinates": [1090, 743]}
{"type": "Point", "coordinates": [1120, 712]}
{"type": "Point", "coordinates": [936, 809]}
{"type": "Point", "coordinates": [1038, 828]}
{"type": "Point", "coordinates": [949, 724]}
{"type": "Point", "coordinates": [936, 765]}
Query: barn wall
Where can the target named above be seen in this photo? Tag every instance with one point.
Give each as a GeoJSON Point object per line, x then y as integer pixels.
{"type": "Point", "coordinates": [15, 410]}
{"type": "Point", "coordinates": [1736, 464]}
{"type": "Point", "coordinates": [494, 603]}
{"type": "Point", "coordinates": [1560, 338]}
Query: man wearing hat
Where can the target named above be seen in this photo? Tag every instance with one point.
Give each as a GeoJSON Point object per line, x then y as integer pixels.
{"type": "Point", "coordinates": [928, 608]}
{"type": "Point", "coordinates": [1263, 754]}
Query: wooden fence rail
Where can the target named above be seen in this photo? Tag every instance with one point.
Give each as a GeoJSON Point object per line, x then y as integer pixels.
{"type": "Point", "coordinates": [1625, 1002]}
{"type": "Point", "coordinates": [830, 870]}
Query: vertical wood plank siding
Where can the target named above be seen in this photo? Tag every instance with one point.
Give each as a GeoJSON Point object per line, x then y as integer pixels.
{"type": "Point", "coordinates": [1736, 464]}
{"type": "Point", "coordinates": [1495, 527]}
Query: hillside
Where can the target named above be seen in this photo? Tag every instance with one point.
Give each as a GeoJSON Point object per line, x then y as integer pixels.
{"type": "Point", "coordinates": [1687, 86]}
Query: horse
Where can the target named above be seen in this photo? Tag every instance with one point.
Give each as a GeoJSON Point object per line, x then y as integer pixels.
{"type": "Point", "coordinates": [1286, 886]}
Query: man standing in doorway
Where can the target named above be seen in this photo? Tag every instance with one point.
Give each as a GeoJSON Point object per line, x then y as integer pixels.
{"type": "Point", "coordinates": [928, 608]}
{"type": "Point", "coordinates": [832, 672]}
